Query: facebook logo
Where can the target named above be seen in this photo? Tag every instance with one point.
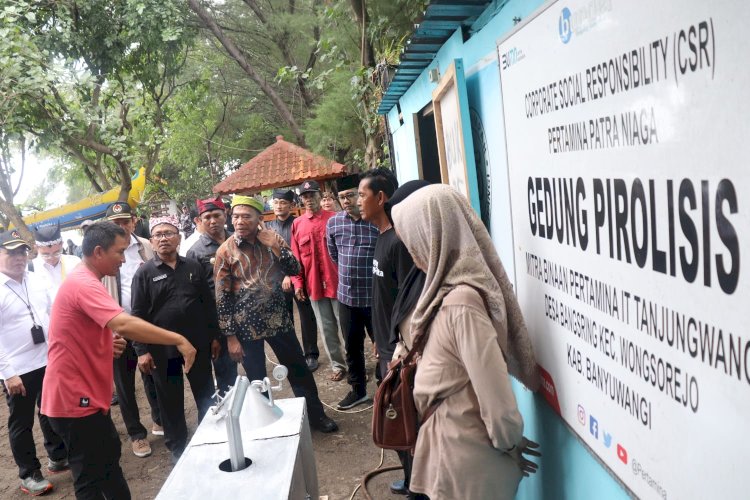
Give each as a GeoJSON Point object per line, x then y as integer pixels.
{"type": "Point", "coordinates": [593, 427]}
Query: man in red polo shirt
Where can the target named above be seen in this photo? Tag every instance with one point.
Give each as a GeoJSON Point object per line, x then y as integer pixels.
{"type": "Point", "coordinates": [78, 382]}
{"type": "Point", "coordinates": [319, 278]}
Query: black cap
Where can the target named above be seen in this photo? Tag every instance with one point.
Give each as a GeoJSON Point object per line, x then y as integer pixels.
{"type": "Point", "coordinates": [283, 194]}
{"type": "Point", "coordinates": [119, 210]}
{"type": "Point", "coordinates": [309, 186]}
{"type": "Point", "coordinates": [348, 182]}
{"type": "Point", "coordinates": [48, 234]}
{"type": "Point", "coordinates": [12, 240]}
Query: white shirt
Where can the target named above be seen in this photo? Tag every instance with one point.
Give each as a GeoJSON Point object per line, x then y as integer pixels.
{"type": "Point", "coordinates": [55, 274]}
{"type": "Point", "coordinates": [18, 353]}
{"type": "Point", "coordinates": [132, 262]}
{"type": "Point", "coordinates": [188, 243]}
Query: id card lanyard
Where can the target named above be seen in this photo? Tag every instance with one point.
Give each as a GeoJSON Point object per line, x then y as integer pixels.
{"type": "Point", "coordinates": [26, 302]}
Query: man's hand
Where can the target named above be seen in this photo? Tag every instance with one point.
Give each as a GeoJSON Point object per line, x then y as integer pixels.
{"type": "Point", "coordinates": [188, 354]}
{"type": "Point", "coordinates": [118, 345]}
{"type": "Point", "coordinates": [271, 239]}
{"type": "Point", "coordinates": [235, 349]}
{"type": "Point", "coordinates": [527, 447]}
{"type": "Point", "coordinates": [215, 349]}
{"type": "Point", "coordinates": [14, 385]}
{"type": "Point", "coordinates": [300, 294]}
{"type": "Point", "coordinates": [146, 363]}
{"type": "Point", "coordinates": [286, 284]}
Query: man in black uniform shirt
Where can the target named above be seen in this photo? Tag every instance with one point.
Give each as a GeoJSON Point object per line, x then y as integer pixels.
{"type": "Point", "coordinates": [213, 218]}
{"type": "Point", "coordinates": [173, 292]}
{"type": "Point", "coordinates": [283, 200]}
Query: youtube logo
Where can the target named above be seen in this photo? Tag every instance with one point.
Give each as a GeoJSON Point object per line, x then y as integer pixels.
{"type": "Point", "coordinates": [622, 454]}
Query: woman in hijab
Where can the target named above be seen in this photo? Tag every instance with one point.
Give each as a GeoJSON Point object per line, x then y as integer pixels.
{"type": "Point", "coordinates": [472, 446]}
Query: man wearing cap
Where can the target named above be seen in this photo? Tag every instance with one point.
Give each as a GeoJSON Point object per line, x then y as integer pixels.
{"type": "Point", "coordinates": [250, 267]}
{"type": "Point", "coordinates": [318, 279]}
{"type": "Point", "coordinates": [173, 292]}
{"type": "Point", "coordinates": [77, 384]}
{"type": "Point", "coordinates": [118, 285]}
{"type": "Point", "coordinates": [351, 245]}
{"type": "Point", "coordinates": [283, 200]}
{"type": "Point", "coordinates": [25, 303]}
{"type": "Point", "coordinates": [51, 264]}
{"type": "Point", "coordinates": [213, 218]}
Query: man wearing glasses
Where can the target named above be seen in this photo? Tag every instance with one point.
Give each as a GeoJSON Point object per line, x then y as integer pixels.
{"type": "Point", "coordinates": [50, 263]}
{"type": "Point", "coordinates": [351, 245]}
{"type": "Point", "coordinates": [139, 250]}
{"type": "Point", "coordinates": [283, 201]}
{"type": "Point", "coordinates": [25, 305]}
{"type": "Point", "coordinates": [172, 292]}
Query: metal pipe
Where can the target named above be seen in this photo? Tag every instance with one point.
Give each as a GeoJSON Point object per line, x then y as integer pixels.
{"type": "Point", "coordinates": [236, 451]}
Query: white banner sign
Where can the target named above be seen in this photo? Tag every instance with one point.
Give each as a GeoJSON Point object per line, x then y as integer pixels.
{"type": "Point", "coordinates": [628, 143]}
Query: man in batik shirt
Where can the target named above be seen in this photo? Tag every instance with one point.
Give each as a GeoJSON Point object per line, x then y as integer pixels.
{"type": "Point", "coordinates": [250, 267]}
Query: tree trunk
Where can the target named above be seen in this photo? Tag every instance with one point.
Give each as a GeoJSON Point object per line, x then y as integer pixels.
{"type": "Point", "coordinates": [236, 54]}
{"type": "Point", "coordinates": [14, 217]}
{"type": "Point", "coordinates": [360, 11]}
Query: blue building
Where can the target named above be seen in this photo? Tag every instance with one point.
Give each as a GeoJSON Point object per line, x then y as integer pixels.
{"type": "Point", "coordinates": [571, 131]}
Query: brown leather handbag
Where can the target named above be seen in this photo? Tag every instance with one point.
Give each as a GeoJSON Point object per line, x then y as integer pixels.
{"type": "Point", "coordinates": [395, 420]}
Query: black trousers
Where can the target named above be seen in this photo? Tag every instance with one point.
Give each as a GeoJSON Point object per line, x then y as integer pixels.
{"type": "Point", "coordinates": [94, 456]}
{"type": "Point", "coordinates": [224, 368]}
{"type": "Point", "coordinates": [170, 389]}
{"type": "Point", "coordinates": [21, 424]}
{"type": "Point", "coordinates": [124, 373]}
{"type": "Point", "coordinates": [289, 353]}
{"type": "Point", "coordinates": [307, 324]}
{"type": "Point", "coordinates": [354, 321]}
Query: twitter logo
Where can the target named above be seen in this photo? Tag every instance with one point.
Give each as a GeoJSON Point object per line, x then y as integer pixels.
{"type": "Point", "coordinates": [607, 439]}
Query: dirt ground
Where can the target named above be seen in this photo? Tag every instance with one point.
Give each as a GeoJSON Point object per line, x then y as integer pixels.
{"type": "Point", "coordinates": [342, 458]}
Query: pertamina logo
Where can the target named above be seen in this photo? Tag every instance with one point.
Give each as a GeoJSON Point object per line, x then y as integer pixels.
{"type": "Point", "coordinates": [579, 21]}
{"type": "Point", "coordinates": [563, 25]}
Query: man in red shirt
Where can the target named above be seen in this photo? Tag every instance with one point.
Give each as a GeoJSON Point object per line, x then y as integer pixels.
{"type": "Point", "coordinates": [319, 277]}
{"type": "Point", "coordinates": [78, 382]}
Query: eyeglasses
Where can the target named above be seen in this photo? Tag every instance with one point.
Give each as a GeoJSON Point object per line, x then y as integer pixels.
{"type": "Point", "coordinates": [244, 217]}
{"type": "Point", "coordinates": [165, 235]}
{"type": "Point", "coordinates": [50, 256]}
{"type": "Point", "coordinates": [348, 196]}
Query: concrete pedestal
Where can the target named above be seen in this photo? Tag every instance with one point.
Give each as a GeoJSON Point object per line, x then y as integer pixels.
{"type": "Point", "coordinates": [283, 463]}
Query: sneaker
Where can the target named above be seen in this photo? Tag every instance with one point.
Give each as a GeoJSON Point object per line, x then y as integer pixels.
{"type": "Point", "coordinates": [35, 484]}
{"type": "Point", "coordinates": [157, 430]}
{"type": "Point", "coordinates": [324, 424]}
{"type": "Point", "coordinates": [57, 466]}
{"type": "Point", "coordinates": [312, 363]}
{"type": "Point", "coordinates": [398, 487]}
{"type": "Point", "coordinates": [141, 448]}
{"type": "Point", "coordinates": [353, 399]}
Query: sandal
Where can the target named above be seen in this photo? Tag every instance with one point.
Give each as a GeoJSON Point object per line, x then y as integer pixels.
{"type": "Point", "coordinates": [337, 376]}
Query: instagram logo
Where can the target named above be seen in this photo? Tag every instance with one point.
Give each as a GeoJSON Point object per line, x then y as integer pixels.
{"type": "Point", "coordinates": [622, 454]}
{"type": "Point", "coordinates": [581, 415]}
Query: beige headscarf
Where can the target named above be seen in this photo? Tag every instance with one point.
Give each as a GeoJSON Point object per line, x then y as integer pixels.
{"type": "Point", "coordinates": [448, 241]}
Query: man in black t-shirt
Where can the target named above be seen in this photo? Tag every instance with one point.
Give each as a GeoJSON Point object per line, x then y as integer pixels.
{"type": "Point", "coordinates": [391, 265]}
{"type": "Point", "coordinates": [391, 262]}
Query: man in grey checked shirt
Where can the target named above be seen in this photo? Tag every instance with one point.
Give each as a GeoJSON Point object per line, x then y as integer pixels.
{"type": "Point", "coordinates": [351, 244]}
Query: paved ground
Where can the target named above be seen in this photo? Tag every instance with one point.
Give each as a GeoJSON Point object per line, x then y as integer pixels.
{"type": "Point", "coordinates": [342, 458]}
